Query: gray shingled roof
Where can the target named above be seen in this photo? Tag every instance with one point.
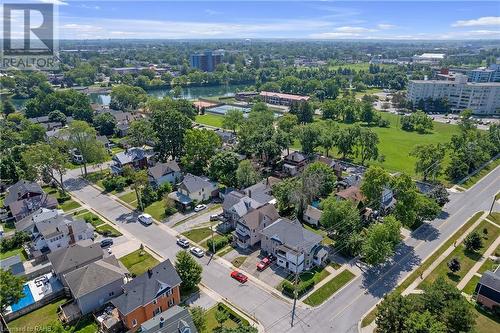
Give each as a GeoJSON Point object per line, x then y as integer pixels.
{"type": "Point", "coordinates": [253, 219]}
{"type": "Point", "coordinates": [73, 256]}
{"type": "Point", "coordinates": [194, 183]}
{"type": "Point", "coordinates": [130, 155]}
{"type": "Point", "coordinates": [19, 189]}
{"type": "Point", "coordinates": [491, 279]}
{"type": "Point", "coordinates": [38, 215]}
{"type": "Point", "coordinates": [291, 234]}
{"type": "Point", "coordinates": [174, 319]}
{"type": "Point", "coordinates": [144, 288]}
{"type": "Point", "coordinates": [161, 169]}
{"type": "Point", "coordinates": [91, 277]}
{"type": "Point", "coordinates": [313, 213]}
{"type": "Point", "coordinates": [21, 208]}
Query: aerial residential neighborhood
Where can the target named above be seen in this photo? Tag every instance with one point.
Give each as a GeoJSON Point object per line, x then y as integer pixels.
{"type": "Point", "coordinates": [244, 167]}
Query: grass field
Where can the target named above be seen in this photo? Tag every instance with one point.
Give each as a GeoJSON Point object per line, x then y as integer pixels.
{"type": "Point", "coordinates": [13, 252]}
{"type": "Point", "coordinates": [156, 210]}
{"type": "Point", "coordinates": [210, 119]}
{"type": "Point", "coordinates": [197, 235]}
{"type": "Point", "coordinates": [328, 289]}
{"type": "Point", "coordinates": [37, 319]}
{"type": "Point", "coordinates": [233, 319]}
{"type": "Point", "coordinates": [139, 262]}
{"type": "Point", "coordinates": [108, 231]}
{"type": "Point", "coordinates": [129, 198]}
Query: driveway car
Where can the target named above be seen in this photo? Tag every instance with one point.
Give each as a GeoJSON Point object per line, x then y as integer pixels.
{"type": "Point", "coordinates": [240, 277]}
{"type": "Point", "coordinates": [106, 242]}
{"type": "Point", "coordinates": [200, 207]}
{"type": "Point", "coordinates": [214, 217]}
{"type": "Point", "coordinates": [145, 219]}
{"type": "Point", "coordinates": [196, 251]}
{"type": "Point", "coordinates": [183, 242]}
{"type": "Point", "coordinates": [263, 264]}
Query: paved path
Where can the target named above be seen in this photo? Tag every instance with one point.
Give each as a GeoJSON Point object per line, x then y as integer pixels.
{"type": "Point", "coordinates": [339, 314]}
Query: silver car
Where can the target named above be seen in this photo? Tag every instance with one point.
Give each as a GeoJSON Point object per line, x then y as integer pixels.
{"type": "Point", "coordinates": [196, 251]}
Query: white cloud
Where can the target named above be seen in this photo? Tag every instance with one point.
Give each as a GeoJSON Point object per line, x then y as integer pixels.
{"type": "Point", "coordinates": [482, 21]}
{"type": "Point", "coordinates": [354, 29]}
{"type": "Point", "coordinates": [383, 26]}
{"type": "Point", "coordinates": [334, 35]}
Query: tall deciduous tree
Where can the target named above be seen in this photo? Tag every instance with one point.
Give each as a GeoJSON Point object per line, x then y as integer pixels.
{"type": "Point", "coordinates": [199, 147]}
{"type": "Point", "coordinates": [124, 97]}
{"type": "Point", "coordinates": [246, 175]}
{"type": "Point", "coordinates": [12, 289]}
{"type": "Point", "coordinates": [199, 318]}
{"type": "Point", "coordinates": [380, 240]}
{"type": "Point", "coordinates": [367, 145]}
{"type": "Point", "coordinates": [188, 269]}
{"type": "Point", "coordinates": [233, 120]}
{"type": "Point", "coordinates": [170, 128]}
{"type": "Point", "coordinates": [375, 180]}
{"type": "Point", "coordinates": [105, 123]}
{"type": "Point", "coordinates": [429, 159]}
{"type": "Point", "coordinates": [223, 167]}
{"type": "Point", "coordinates": [83, 138]}
{"type": "Point", "coordinates": [140, 132]}
{"type": "Point", "coordinates": [43, 159]}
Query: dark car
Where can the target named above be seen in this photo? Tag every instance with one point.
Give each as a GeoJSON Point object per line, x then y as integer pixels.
{"type": "Point", "coordinates": [106, 242]}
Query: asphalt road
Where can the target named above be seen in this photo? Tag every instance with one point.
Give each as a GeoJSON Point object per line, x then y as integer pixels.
{"type": "Point", "coordinates": [340, 314]}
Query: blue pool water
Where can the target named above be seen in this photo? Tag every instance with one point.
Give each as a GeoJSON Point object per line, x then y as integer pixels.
{"type": "Point", "coordinates": [25, 301]}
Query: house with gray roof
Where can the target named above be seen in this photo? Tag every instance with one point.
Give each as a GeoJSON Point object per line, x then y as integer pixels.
{"type": "Point", "coordinates": [249, 226]}
{"type": "Point", "coordinates": [73, 257]}
{"type": "Point", "coordinates": [293, 245]}
{"type": "Point", "coordinates": [14, 263]}
{"type": "Point", "coordinates": [148, 295]}
{"type": "Point", "coordinates": [21, 208]}
{"type": "Point", "coordinates": [194, 188]}
{"type": "Point", "coordinates": [175, 320]}
{"type": "Point", "coordinates": [23, 189]}
{"type": "Point", "coordinates": [97, 283]}
{"type": "Point", "coordinates": [135, 157]}
{"type": "Point", "coordinates": [488, 289]}
{"type": "Point", "coordinates": [236, 205]}
{"type": "Point", "coordinates": [312, 215]}
{"type": "Point", "coordinates": [262, 191]}
{"type": "Point", "coordinates": [162, 173]}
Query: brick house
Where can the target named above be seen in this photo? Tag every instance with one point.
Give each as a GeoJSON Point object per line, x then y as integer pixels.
{"type": "Point", "coordinates": [148, 295]}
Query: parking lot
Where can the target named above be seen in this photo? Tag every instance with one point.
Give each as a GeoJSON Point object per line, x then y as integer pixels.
{"type": "Point", "coordinates": [272, 275]}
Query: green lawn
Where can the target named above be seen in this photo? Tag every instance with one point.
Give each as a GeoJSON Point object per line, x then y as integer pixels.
{"type": "Point", "coordinates": [107, 230]}
{"type": "Point", "coordinates": [66, 205]}
{"type": "Point", "coordinates": [139, 262]}
{"type": "Point", "coordinates": [8, 226]}
{"type": "Point", "coordinates": [495, 217]}
{"type": "Point", "coordinates": [328, 289]}
{"type": "Point", "coordinates": [216, 238]}
{"type": "Point", "coordinates": [485, 322]}
{"type": "Point", "coordinates": [69, 205]}
{"type": "Point", "coordinates": [10, 253]}
{"type": "Point", "coordinates": [238, 261]}
{"type": "Point", "coordinates": [232, 321]}
{"type": "Point", "coordinates": [37, 319]}
{"type": "Point", "coordinates": [472, 180]}
{"type": "Point", "coordinates": [370, 317]}
{"type": "Point", "coordinates": [222, 252]}
{"type": "Point", "coordinates": [471, 285]}
{"type": "Point", "coordinates": [129, 198]}
{"type": "Point", "coordinates": [210, 119]}
{"type": "Point", "coordinates": [156, 210]}
{"type": "Point", "coordinates": [317, 274]}
{"type": "Point", "coordinates": [90, 217]}
{"type": "Point", "coordinates": [197, 235]}
{"type": "Point", "coordinates": [467, 259]}
{"type": "Point", "coordinates": [86, 324]}
{"type": "Point", "coordinates": [97, 177]}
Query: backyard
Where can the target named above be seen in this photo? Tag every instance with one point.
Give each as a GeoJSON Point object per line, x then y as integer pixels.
{"type": "Point", "coordinates": [232, 322]}
{"type": "Point", "coordinates": [37, 318]}
{"type": "Point", "coordinates": [139, 262]}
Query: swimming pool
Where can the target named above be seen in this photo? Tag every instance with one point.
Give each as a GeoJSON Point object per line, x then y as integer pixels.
{"type": "Point", "coordinates": [25, 301]}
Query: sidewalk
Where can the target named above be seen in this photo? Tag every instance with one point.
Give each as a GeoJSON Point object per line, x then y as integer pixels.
{"type": "Point", "coordinates": [413, 286]}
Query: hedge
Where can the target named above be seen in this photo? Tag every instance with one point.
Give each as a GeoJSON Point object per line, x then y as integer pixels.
{"type": "Point", "coordinates": [304, 286]}
{"type": "Point", "coordinates": [217, 242]}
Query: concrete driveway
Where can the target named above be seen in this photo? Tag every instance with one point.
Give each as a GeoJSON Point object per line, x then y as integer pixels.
{"type": "Point", "coordinates": [272, 276]}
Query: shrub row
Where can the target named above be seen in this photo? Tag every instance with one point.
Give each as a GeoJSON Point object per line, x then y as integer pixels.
{"type": "Point", "coordinates": [288, 287]}
{"type": "Point", "coordinates": [218, 242]}
{"type": "Point", "coordinates": [117, 183]}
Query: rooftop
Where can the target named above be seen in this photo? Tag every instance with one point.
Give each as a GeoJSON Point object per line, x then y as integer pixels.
{"type": "Point", "coordinates": [292, 234]}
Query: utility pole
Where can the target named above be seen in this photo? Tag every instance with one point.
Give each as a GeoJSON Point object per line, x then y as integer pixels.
{"type": "Point", "coordinates": [493, 204]}
{"type": "Point", "coordinates": [294, 293]}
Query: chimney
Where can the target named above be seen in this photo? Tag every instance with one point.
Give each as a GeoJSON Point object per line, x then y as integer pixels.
{"type": "Point", "coordinates": [71, 234]}
{"type": "Point", "coordinates": [162, 322]}
{"type": "Point", "coordinates": [249, 193]}
{"type": "Point", "coordinates": [150, 273]}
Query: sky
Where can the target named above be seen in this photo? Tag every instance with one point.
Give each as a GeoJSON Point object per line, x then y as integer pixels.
{"type": "Point", "coordinates": [407, 20]}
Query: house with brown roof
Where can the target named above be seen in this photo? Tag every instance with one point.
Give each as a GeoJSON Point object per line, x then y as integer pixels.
{"type": "Point", "coordinates": [282, 99]}
{"type": "Point", "coordinates": [148, 295]}
{"type": "Point", "coordinates": [294, 163]}
{"type": "Point", "coordinates": [249, 227]}
{"type": "Point", "coordinates": [353, 194]}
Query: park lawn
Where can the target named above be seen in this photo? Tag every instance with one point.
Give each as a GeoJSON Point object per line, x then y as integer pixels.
{"type": "Point", "coordinates": [326, 240]}
{"type": "Point", "coordinates": [370, 317]}
{"type": "Point", "coordinates": [108, 231]}
{"type": "Point", "coordinates": [139, 262]}
{"type": "Point", "coordinates": [129, 198]}
{"type": "Point", "coordinates": [472, 180]}
{"type": "Point", "coordinates": [156, 210]}
{"type": "Point", "coordinates": [37, 319]}
{"type": "Point", "coordinates": [471, 285]}
{"type": "Point", "coordinates": [467, 259]}
{"type": "Point", "coordinates": [232, 322]}
{"type": "Point", "coordinates": [197, 235]}
{"type": "Point", "coordinates": [13, 252]}
{"type": "Point", "coordinates": [210, 119]}
{"type": "Point", "coordinates": [328, 289]}
{"type": "Point", "coordinates": [369, 91]}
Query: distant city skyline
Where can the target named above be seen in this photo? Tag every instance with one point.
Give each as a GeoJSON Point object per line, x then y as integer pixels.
{"type": "Point", "coordinates": [332, 20]}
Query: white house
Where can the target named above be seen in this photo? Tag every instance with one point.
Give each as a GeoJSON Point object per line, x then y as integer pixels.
{"type": "Point", "coordinates": [162, 173]}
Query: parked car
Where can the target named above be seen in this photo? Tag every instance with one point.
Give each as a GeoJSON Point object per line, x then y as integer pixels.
{"type": "Point", "coordinates": [145, 218]}
{"type": "Point", "coordinates": [197, 252]}
{"type": "Point", "coordinates": [200, 207]}
{"type": "Point", "coordinates": [106, 242]}
{"type": "Point", "coordinates": [271, 257]}
{"type": "Point", "coordinates": [240, 277]}
{"type": "Point", "coordinates": [214, 217]}
{"type": "Point", "coordinates": [183, 242]}
{"type": "Point", "coordinates": [263, 264]}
